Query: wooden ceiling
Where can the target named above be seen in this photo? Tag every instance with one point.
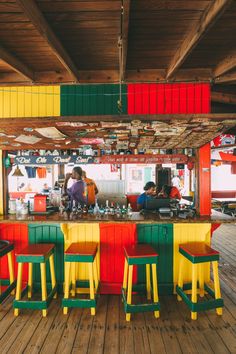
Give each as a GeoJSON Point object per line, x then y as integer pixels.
{"type": "Point", "coordinates": [56, 41]}
{"type": "Point", "coordinates": [114, 132]}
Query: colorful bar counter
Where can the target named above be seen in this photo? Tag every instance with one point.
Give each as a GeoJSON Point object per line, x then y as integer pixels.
{"type": "Point", "coordinates": [112, 234]}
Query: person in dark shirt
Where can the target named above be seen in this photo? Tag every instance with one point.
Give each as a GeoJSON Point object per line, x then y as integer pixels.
{"type": "Point", "coordinates": [77, 191]}
{"type": "Point", "coordinates": [149, 191]}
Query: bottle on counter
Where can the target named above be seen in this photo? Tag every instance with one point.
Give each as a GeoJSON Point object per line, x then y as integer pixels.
{"type": "Point", "coordinates": [107, 209]}
{"type": "Point", "coordinates": [112, 209]}
{"type": "Point", "coordinates": [90, 210]}
{"type": "Point", "coordinates": [129, 210]}
{"type": "Point", "coordinates": [96, 208]}
{"type": "Point", "coordinates": [118, 210]}
{"type": "Point", "coordinates": [123, 210]}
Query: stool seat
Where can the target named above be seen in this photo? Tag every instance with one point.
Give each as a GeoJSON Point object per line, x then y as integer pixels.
{"type": "Point", "coordinates": [198, 252]}
{"type": "Point", "coordinates": [140, 250]}
{"type": "Point", "coordinates": [81, 252]}
{"type": "Point", "coordinates": [42, 249]}
{"type": "Point", "coordinates": [140, 254]}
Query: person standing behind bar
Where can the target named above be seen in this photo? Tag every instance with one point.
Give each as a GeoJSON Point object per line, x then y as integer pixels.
{"type": "Point", "coordinates": [150, 191]}
{"type": "Point", "coordinates": [77, 190]}
{"type": "Point", "coordinates": [170, 192]}
{"type": "Point", "coordinates": [92, 189]}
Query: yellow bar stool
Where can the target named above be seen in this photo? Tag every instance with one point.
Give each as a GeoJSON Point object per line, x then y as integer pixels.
{"type": "Point", "coordinates": [35, 254]}
{"type": "Point", "coordinates": [199, 253]}
{"type": "Point", "coordinates": [84, 252]}
{"type": "Point", "coordinates": [134, 255]}
{"type": "Point", "coordinates": [6, 248]}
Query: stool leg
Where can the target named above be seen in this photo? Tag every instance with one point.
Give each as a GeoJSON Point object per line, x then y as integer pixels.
{"type": "Point", "coordinates": [73, 278]}
{"type": "Point", "coordinates": [219, 310]}
{"type": "Point", "coordinates": [11, 269]}
{"type": "Point", "coordinates": [30, 280]}
{"type": "Point", "coordinates": [91, 286]}
{"type": "Point", "coordinates": [155, 291]}
{"type": "Point", "coordinates": [125, 275]}
{"type": "Point", "coordinates": [180, 277]}
{"type": "Point", "coordinates": [67, 285]}
{"type": "Point", "coordinates": [194, 289]}
{"type": "Point", "coordinates": [129, 292]}
{"type": "Point", "coordinates": [52, 271]}
{"type": "Point", "coordinates": [43, 285]}
{"type": "Point", "coordinates": [201, 278]}
{"type": "Point", "coordinates": [148, 282]}
{"type": "Point", "coordinates": [18, 286]}
{"type": "Point", "coordinates": [95, 274]}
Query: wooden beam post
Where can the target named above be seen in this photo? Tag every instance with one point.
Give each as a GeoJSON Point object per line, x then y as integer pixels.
{"type": "Point", "coordinates": [222, 97]}
{"type": "Point", "coordinates": [225, 65]}
{"type": "Point", "coordinates": [227, 78]}
{"type": "Point", "coordinates": [16, 64]}
{"type": "Point", "coordinates": [34, 14]}
{"type": "Point", "coordinates": [124, 35]}
{"type": "Point", "coordinates": [214, 11]}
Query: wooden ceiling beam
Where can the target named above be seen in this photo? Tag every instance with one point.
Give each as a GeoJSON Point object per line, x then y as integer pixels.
{"type": "Point", "coordinates": [16, 64]}
{"type": "Point", "coordinates": [124, 35]}
{"type": "Point", "coordinates": [34, 14]}
{"type": "Point", "coordinates": [223, 97]}
{"type": "Point", "coordinates": [209, 17]}
{"type": "Point", "coordinates": [227, 78]}
{"type": "Point", "coordinates": [108, 76]}
{"type": "Point", "coordinates": [227, 64]}
{"type": "Point", "coordinates": [41, 121]}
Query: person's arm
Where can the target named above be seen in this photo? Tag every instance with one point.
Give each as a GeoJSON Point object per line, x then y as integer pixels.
{"type": "Point", "coordinates": [95, 188]}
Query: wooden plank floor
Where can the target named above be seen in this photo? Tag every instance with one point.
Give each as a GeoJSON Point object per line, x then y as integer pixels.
{"type": "Point", "coordinates": [109, 333]}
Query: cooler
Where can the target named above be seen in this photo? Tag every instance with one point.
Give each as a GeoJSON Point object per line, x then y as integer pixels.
{"type": "Point", "coordinates": [40, 203]}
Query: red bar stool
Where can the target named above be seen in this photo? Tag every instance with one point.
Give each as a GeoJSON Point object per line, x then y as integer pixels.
{"type": "Point", "coordinates": [35, 254]}
{"type": "Point", "coordinates": [80, 252]}
{"type": "Point", "coordinates": [199, 253]}
{"type": "Point", "coordinates": [6, 248]}
{"type": "Point", "coordinates": [134, 255]}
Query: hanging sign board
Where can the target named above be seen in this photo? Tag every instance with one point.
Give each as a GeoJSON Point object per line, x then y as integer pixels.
{"type": "Point", "coordinates": [105, 159]}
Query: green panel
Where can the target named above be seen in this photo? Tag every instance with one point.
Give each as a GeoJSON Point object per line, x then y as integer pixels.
{"type": "Point", "coordinates": [160, 236]}
{"type": "Point", "coordinates": [92, 99]}
{"type": "Point", "coordinates": [49, 233]}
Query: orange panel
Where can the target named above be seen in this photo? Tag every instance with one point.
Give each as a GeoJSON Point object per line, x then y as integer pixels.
{"type": "Point", "coordinates": [205, 180]}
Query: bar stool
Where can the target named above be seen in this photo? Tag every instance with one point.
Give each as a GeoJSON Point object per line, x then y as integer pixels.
{"type": "Point", "coordinates": [134, 255]}
{"type": "Point", "coordinates": [35, 254]}
{"type": "Point", "coordinates": [198, 253]}
{"type": "Point", "coordinates": [80, 252]}
{"type": "Point", "coordinates": [6, 248]}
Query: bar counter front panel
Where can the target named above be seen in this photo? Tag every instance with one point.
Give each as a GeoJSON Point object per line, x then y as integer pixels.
{"type": "Point", "coordinates": [112, 235]}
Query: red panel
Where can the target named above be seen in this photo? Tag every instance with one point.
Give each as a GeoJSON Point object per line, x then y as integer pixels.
{"type": "Point", "coordinates": [132, 199]}
{"type": "Point", "coordinates": [18, 235]}
{"type": "Point", "coordinates": [205, 180]}
{"type": "Point", "coordinates": [168, 98]}
{"type": "Point", "coordinates": [113, 238]}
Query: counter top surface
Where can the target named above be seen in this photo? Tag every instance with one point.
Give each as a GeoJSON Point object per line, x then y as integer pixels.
{"type": "Point", "coordinates": [149, 218]}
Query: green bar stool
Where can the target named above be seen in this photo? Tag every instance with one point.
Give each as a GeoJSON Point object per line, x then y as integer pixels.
{"type": "Point", "coordinates": [134, 255]}
{"type": "Point", "coordinates": [6, 248]}
{"type": "Point", "coordinates": [84, 252]}
{"type": "Point", "coordinates": [199, 253]}
{"type": "Point", "coordinates": [35, 254]}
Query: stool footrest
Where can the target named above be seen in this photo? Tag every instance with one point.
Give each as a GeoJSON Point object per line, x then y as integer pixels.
{"type": "Point", "coordinates": [81, 303]}
{"type": "Point", "coordinates": [199, 306]}
{"type": "Point", "coordinates": [135, 308]}
{"type": "Point", "coordinates": [34, 304]}
{"type": "Point", "coordinates": [8, 290]}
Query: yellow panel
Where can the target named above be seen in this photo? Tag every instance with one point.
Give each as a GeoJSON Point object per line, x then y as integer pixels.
{"type": "Point", "coordinates": [82, 233]}
{"type": "Point", "coordinates": [190, 233]}
{"type": "Point", "coordinates": [1, 185]}
{"type": "Point", "coordinates": [29, 101]}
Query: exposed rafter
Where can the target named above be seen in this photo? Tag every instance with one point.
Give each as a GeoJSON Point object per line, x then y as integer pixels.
{"type": "Point", "coordinates": [227, 64]}
{"type": "Point", "coordinates": [34, 14]}
{"type": "Point", "coordinates": [208, 18]}
{"type": "Point", "coordinates": [222, 97]}
{"type": "Point", "coordinates": [124, 34]}
{"type": "Point", "coordinates": [227, 78]}
{"type": "Point", "coordinates": [16, 64]}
